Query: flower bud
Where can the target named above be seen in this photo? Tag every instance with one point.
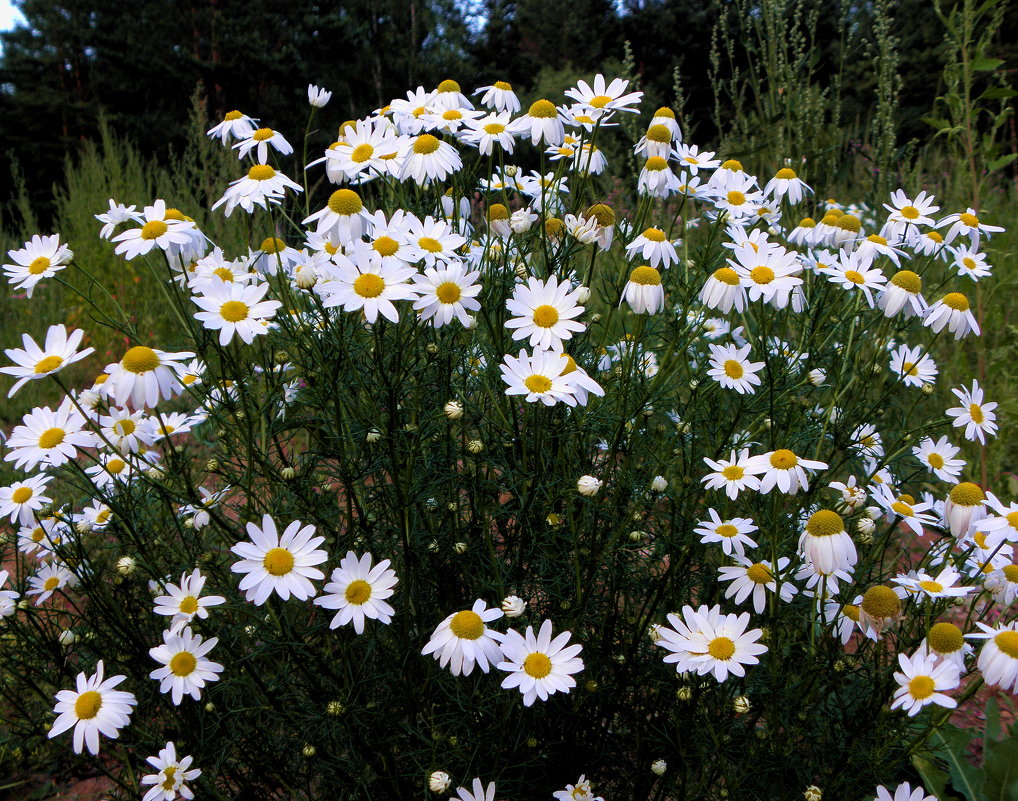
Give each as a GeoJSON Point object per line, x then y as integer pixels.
{"type": "Point", "coordinates": [373, 436]}
{"type": "Point", "coordinates": [513, 606]}
{"type": "Point", "coordinates": [306, 278]}
{"type": "Point", "coordinates": [741, 705]}
{"type": "Point", "coordinates": [288, 473]}
{"type": "Point", "coordinates": [659, 484]}
{"type": "Point", "coordinates": [817, 377]}
{"type": "Point", "coordinates": [475, 446]}
{"type": "Point", "coordinates": [813, 793]}
{"type": "Point", "coordinates": [453, 409]}
{"type": "Point", "coordinates": [588, 486]}
{"type": "Point", "coordinates": [658, 767]}
{"type": "Point", "coordinates": [67, 637]}
{"type": "Point", "coordinates": [460, 547]}
{"type": "Point", "coordinates": [439, 781]}
{"type": "Point", "coordinates": [125, 565]}
{"type": "Point", "coordinates": [309, 751]}
{"type": "Point", "coordinates": [582, 294]}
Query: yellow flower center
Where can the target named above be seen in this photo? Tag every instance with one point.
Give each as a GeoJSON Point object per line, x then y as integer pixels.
{"type": "Point", "coordinates": [385, 245]}
{"type": "Point", "coordinates": [825, 523]}
{"type": "Point", "coordinates": [956, 301]}
{"type": "Point", "coordinates": [932, 586]}
{"type": "Point", "coordinates": [448, 85]}
{"type": "Point", "coordinates": [362, 153]}
{"type": "Point", "coordinates": [726, 275]}
{"type": "Point", "coordinates": [785, 174]}
{"type": "Point", "coordinates": [357, 592]}
{"type": "Point", "coordinates": [726, 530]}
{"type": "Point", "coordinates": [967, 494]}
{"type": "Point", "coordinates": [140, 359]}
{"type": "Point", "coordinates": [430, 244]}
{"type": "Point", "coordinates": [784, 459]}
{"type": "Point", "coordinates": [21, 494]}
{"type": "Point", "coordinates": [971, 220]}
{"type": "Point", "coordinates": [736, 198]}
{"type": "Point", "coordinates": [449, 292]}
{"type": "Point", "coordinates": [659, 133]}
{"type": "Point", "coordinates": [876, 239]}
{"type": "Point", "coordinates": [537, 384]}
{"type": "Point", "coordinates": [503, 86]}
{"type": "Point", "coordinates": [51, 437]}
{"type": "Point", "coordinates": [807, 222]}
{"type": "Point", "coordinates": [851, 612]}
{"type": "Point", "coordinates": [1010, 573]}
{"type": "Point", "coordinates": [1007, 642]}
{"type": "Point", "coordinates": [38, 534]}
{"type": "Point", "coordinates": [154, 229]}
{"type": "Point", "coordinates": [369, 285]}
{"type": "Point", "coordinates": [645, 276]}
{"type": "Point", "coordinates": [494, 128]}
{"type": "Point", "coordinates": [345, 202]}
{"type": "Point", "coordinates": [183, 664]}
{"type": "Point", "coordinates": [51, 583]}
{"type": "Point", "coordinates": [278, 562]}
{"type": "Point", "coordinates": [759, 573]}
{"type": "Point", "coordinates": [537, 665]}
{"type": "Point", "coordinates": [762, 274]}
{"type": "Point", "coordinates": [945, 638]}
{"type": "Point", "coordinates": [48, 364]}
{"type": "Point", "coordinates": [908, 280]}
{"type": "Point", "coordinates": [921, 687]}
{"type": "Point", "coordinates": [261, 172]}
{"type": "Point", "coordinates": [497, 211]}
{"type": "Point", "coordinates": [467, 625]}
{"type": "Point", "coordinates": [664, 111]}
{"type": "Point", "coordinates": [881, 602]}
{"type": "Point", "coordinates": [910, 212]}
{"type": "Point", "coordinates": [452, 114]}
{"type": "Point", "coordinates": [171, 777]}
{"type": "Point", "coordinates": [87, 705]}
{"type": "Point", "coordinates": [655, 164]}
{"type": "Point", "coordinates": [902, 508]}
{"type": "Point", "coordinates": [654, 235]}
{"type": "Point", "coordinates": [936, 461]}
{"type": "Point", "coordinates": [39, 265]}
{"type": "Point", "coordinates": [115, 466]}
{"type": "Point", "coordinates": [1012, 519]}
{"type": "Point", "coordinates": [976, 413]}
{"type": "Point", "coordinates": [732, 164]}
{"type": "Point", "coordinates": [543, 109]}
{"type": "Point", "coordinates": [425, 144]}
{"type": "Point", "coordinates": [233, 311]}
{"type": "Point", "coordinates": [603, 213]}
{"type": "Point", "coordinates": [188, 605]}
{"type": "Point", "coordinates": [733, 473]}
{"type": "Point", "coordinates": [262, 134]}
{"type": "Point", "coordinates": [721, 648]}
{"type": "Point", "coordinates": [848, 222]}
{"type": "Point", "coordinates": [272, 244]}
{"type": "Point", "coordinates": [935, 236]}
{"type": "Point", "coordinates": [545, 316]}
{"type": "Point", "coordinates": [733, 369]}
{"type": "Point", "coordinates": [600, 101]}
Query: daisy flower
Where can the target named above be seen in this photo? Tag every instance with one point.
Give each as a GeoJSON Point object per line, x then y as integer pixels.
{"type": "Point", "coordinates": [653, 247]}
{"type": "Point", "coordinates": [945, 642]}
{"type": "Point", "coordinates": [23, 499]}
{"type": "Point", "coordinates": [853, 272]}
{"type": "Point", "coordinates": [284, 564]}
{"type": "Point", "coordinates": [903, 792]}
{"type": "Point", "coordinates": [544, 311]}
{"type": "Point", "coordinates": [344, 218]}
{"type": "Point", "coordinates": [184, 666]}
{"type": "Point", "coordinates": [657, 179]}
{"type": "Point", "coordinates": [200, 511]}
{"type": "Point", "coordinates": [117, 214]}
{"type": "Point", "coordinates": [430, 159]}
{"type": "Point", "coordinates": [729, 366]}
{"type": "Point", "coordinates": [913, 366]}
{"type": "Point", "coordinates": [463, 639]}
{"type": "Point", "coordinates": [41, 257]}
{"type": "Point", "coordinates": [436, 240]}
{"type": "Point", "coordinates": [358, 591]}
{"type": "Point", "coordinates": [922, 681]}
{"type": "Point", "coordinates": [723, 291]}
{"type": "Point", "coordinates": [185, 602]}
{"type": "Point", "coordinates": [656, 143]}
{"type": "Point", "coordinates": [541, 377]}
{"type": "Point", "coordinates": [964, 506]}
{"type": "Point", "coordinates": [58, 351]}
{"type": "Point", "coordinates": [369, 286]}
{"type": "Point", "coordinates": [581, 791]}
{"type": "Point", "coordinates": [768, 272]}
{"type": "Point", "coordinates": [784, 470]}
{"type": "Point", "coordinates": [977, 417]}
{"type": "Point", "coordinates": [786, 183]}
{"type": "Point", "coordinates": [499, 96]}
{"type": "Point", "coordinates": [144, 375]}
{"type": "Point", "coordinates": [235, 125]}
{"type": "Point", "coordinates": [904, 212]}
{"type": "Point", "coordinates": [928, 587]}
{"type": "Point", "coordinates": [705, 641]}
{"type": "Point", "coordinates": [903, 291]}
{"type": "Point", "coordinates": [739, 198]}
{"type": "Point", "coordinates": [913, 514]}
{"type": "Point", "coordinates": [50, 578]}
{"type": "Point", "coordinates": [756, 579]}
{"type": "Point", "coordinates": [874, 246]}
{"type": "Point", "coordinates": [731, 534]}
{"type": "Point", "coordinates": [1001, 527]}
{"type": "Point", "coordinates": [93, 707]}
{"type": "Point", "coordinates": [693, 159]}
{"type": "Point", "coordinates": [826, 544]}
{"type": "Point", "coordinates": [602, 98]}
{"type": "Point", "coordinates": [236, 309]}
{"type": "Point", "coordinates": [47, 437]}
{"type": "Point", "coordinates": [938, 457]}
{"type": "Point", "coordinates": [539, 665]}
{"type": "Point", "coordinates": [969, 262]}
{"type": "Point", "coordinates": [447, 292]}
{"type": "Point", "coordinates": [1002, 582]}
{"type": "Point", "coordinates": [262, 185]}
{"type": "Point", "coordinates": [159, 229]}
{"type": "Point", "coordinates": [852, 496]}
{"type": "Point", "coordinates": [643, 291]}
{"type": "Point", "coordinates": [480, 793]}
{"type": "Point", "coordinates": [259, 141]}
{"type": "Point", "coordinates": [168, 782]}
{"type": "Point", "coordinates": [952, 311]}
{"type": "Point", "coordinates": [733, 475]}
{"type": "Point", "coordinates": [8, 598]}
{"type": "Point", "coordinates": [129, 432]}
{"type": "Point", "coordinates": [583, 385]}
{"type": "Point", "coordinates": [542, 123]}
{"type": "Point", "coordinates": [488, 132]}
{"type": "Point", "coordinates": [966, 224]}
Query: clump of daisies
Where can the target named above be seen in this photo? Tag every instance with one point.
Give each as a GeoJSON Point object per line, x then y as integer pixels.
{"type": "Point", "coordinates": [458, 466]}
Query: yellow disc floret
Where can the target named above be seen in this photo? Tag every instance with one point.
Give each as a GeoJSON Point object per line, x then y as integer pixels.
{"type": "Point", "coordinates": [278, 562]}
{"type": "Point", "coordinates": [467, 625]}
{"type": "Point", "coordinates": [881, 602]}
{"type": "Point", "coordinates": [967, 494]}
{"type": "Point", "coordinates": [945, 638]}
{"type": "Point", "coordinates": [345, 202]}
{"type": "Point", "coordinates": [825, 523]}
{"type": "Point", "coordinates": [646, 276]}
